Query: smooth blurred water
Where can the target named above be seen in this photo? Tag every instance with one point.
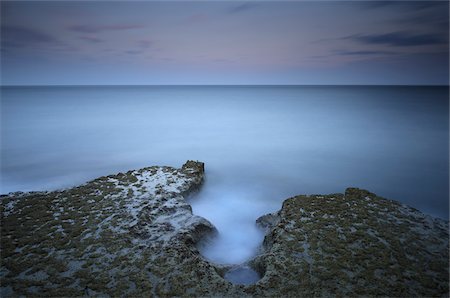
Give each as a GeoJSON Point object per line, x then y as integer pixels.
{"type": "Point", "coordinates": [260, 144]}
{"type": "Point", "coordinates": [243, 275]}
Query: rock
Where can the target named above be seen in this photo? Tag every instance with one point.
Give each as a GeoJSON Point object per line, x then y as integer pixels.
{"type": "Point", "coordinates": [126, 234]}
{"type": "Point", "coordinates": [357, 244]}
{"type": "Point", "coordinates": [133, 234]}
{"type": "Point", "coordinates": [268, 221]}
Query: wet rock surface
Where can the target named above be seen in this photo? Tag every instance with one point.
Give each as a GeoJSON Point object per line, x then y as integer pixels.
{"type": "Point", "coordinates": [133, 234]}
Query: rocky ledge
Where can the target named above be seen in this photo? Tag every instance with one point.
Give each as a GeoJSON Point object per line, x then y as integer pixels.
{"type": "Point", "coordinates": [133, 234]}
{"type": "Point", "coordinates": [352, 244]}
{"type": "Point", "coordinates": [126, 234]}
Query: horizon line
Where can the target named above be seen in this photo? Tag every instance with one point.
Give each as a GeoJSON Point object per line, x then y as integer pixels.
{"type": "Point", "coordinates": [226, 85]}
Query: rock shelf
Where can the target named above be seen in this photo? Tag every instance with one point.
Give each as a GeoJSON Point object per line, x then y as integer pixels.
{"type": "Point", "coordinates": [133, 234]}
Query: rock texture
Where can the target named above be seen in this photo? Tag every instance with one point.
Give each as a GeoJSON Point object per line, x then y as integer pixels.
{"type": "Point", "coordinates": [133, 235]}
{"type": "Point", "coordinates": [129, 234]}
{"type": "Point", "coordinates": [352, 245]}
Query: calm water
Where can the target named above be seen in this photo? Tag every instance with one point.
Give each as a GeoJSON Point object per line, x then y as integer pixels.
{"type": "Point", "coordinates": [260, 144]}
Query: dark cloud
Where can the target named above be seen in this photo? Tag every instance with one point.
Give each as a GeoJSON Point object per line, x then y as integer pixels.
{"type": "Point", "coordinates": [101, 28]}
{"type": "Point", "coordinates": [241, 7]}
{"type": "Point", "coordinates": [353, 53]}
{"type": "Point", "coordinates": [374, 4]}
{"type": "Point", "coordinates": [401, 39]}
{"type": "Point", "coordinates": [402, 5]}
{"type": "Point", "coordinates": [433, 15]}
{"type": "Point", "coordinates": [20, 37]}
{"type": "Point", "coordinates": [364, 53]}
{"type": "Point", "coordinates": [425, 19]}
{"type": "Point", "coordinates": [438, 19]}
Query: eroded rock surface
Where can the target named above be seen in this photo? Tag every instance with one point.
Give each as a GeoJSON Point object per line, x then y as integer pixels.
{"type": "Point", "coordinates": [352, 244]}
{"type": "Point", "coordinates": [126, 234]}
{"type": "Point", "coordinates": [133, 235]}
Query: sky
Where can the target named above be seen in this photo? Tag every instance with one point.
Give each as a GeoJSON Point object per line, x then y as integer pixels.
{"type": "Point", "coordinates": [224, 42]}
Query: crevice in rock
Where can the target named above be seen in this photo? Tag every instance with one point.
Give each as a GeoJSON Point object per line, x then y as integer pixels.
{"type": "Point", "coordinates": [239, 274]}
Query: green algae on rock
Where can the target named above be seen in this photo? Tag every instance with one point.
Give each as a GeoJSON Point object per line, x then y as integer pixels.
{"type": "Point", "coordinates": [351, 245]}
{"type": "Point", "coordinates": [126, 234]}
{"type": "Point", "coordinates": [133, 235]}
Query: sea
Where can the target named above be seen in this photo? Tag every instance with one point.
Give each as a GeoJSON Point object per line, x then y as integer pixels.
{"type": "Point", "coordinates": [260, 145]}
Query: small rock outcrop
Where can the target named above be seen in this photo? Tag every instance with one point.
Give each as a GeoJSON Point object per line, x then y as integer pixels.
{"type": "Point", "coordinates": [269, 221]}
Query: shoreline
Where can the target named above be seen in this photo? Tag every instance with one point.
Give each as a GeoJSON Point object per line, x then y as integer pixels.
{"type": "Point", "coordinates": [54, 243]}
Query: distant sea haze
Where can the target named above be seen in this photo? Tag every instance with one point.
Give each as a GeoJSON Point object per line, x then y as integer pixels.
{"type": "Point", "coordinates": [261, 144]}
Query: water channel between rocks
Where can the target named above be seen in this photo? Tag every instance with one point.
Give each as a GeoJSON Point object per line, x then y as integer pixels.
{"type": "Point", "coordinates": [233, 211]}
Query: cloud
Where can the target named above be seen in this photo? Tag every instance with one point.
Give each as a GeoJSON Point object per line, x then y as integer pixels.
{"type": "Point", "coordinates": [102, 28]}
{"type": "Point", "coordinates": [403, 5]}
{"type": "Point", "coordinates": [363, 53]}
{"type": "Point", "coordinates": [441, 23]}
{"type": "Point", "coordinates": [373, 4]}
{"type": "Point", "coordinates": [21, 37]}
{"type": "Point", "coordinates": [438, 19]}
{"type": "Point", "coordinates": [400, 39]}
{"type": "Point", "coordinates": [241, 7]}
